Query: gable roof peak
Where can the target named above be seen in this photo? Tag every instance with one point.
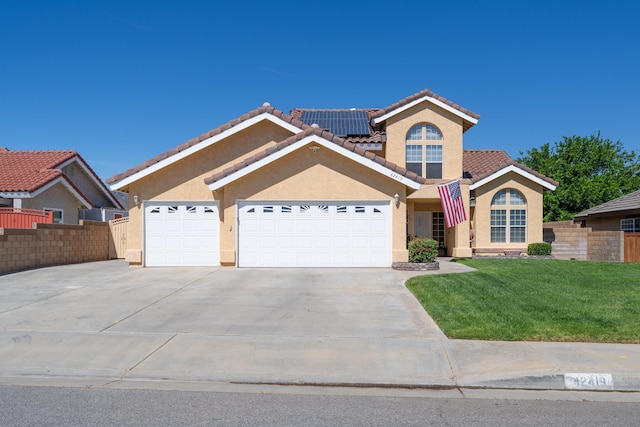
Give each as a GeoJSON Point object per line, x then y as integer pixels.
{"type": "Point", "coordinates": [194, 144]}
{"type": "Point", "coordinates": [329, 140]}
{"type": "Point", "coordinates": [480, 166]}
{"type": "Point", "coordinates": [469, 117]}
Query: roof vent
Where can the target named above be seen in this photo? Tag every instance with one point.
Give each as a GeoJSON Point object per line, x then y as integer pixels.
{"type": "Point", "coordinates": [266, 104]}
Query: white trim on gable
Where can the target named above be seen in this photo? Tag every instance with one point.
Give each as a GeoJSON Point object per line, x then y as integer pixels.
{"type": "Point", "coordinates": [92, 177]}
{"type": "Point", "coordinates": [15, 194]}
{"type": "Point", "coordinates": [515, 169]}
{"type": "Point", "coordinates": [67, 185]}
{"type": "Point", "coordinates": [204, 144]}
{"type": "Point", "coordinates": [432, 100]}
{"type": "Point", "coordinates": [325, 143]}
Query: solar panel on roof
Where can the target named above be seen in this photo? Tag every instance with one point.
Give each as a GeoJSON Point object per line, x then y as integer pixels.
{"type": "Point", "coordinates": [338, 122]}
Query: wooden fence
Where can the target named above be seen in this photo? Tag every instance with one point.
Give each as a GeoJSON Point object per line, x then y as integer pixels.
{"type": "Point", "coordinates": [118, 240]}
{"type": "Point", "coordinates": [632, 247]}
{"type": "Point", "coordinates": [23, 218]}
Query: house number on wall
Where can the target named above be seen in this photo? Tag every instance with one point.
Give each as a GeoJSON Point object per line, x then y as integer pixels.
{"type": "Point", "coordinates": [588, 381]}
{"type": "Point", "coordinates": [396, 176]}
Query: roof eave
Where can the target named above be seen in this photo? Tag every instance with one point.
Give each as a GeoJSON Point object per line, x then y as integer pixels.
{"type": "Point", "coordinates": [94, 178]}
{"type": "Point", "coordinates": [316, 139]}
{"type": "Point", "coordinates": [124, 182]}
{"type": "Point", "coordinates": [471, 121]}
{"type": "Point", "coordinates": [512, 168]}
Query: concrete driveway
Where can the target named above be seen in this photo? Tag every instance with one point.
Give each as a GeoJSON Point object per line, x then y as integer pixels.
{"type": "Point", "coordinates": [107, 321]}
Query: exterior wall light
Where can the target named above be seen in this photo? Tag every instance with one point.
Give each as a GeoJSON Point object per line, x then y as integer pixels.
{"type": "Point", "coordinates": [135, 200]}
{"type": "Point", "coordinates": [397, 199]}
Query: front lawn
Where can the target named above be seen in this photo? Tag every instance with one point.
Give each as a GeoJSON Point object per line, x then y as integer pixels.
{"type": "Point", "coordinates": [535, 300]}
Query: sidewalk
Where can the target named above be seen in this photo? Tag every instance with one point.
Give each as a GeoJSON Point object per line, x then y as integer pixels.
{"type": "Point", "coordinates": [39, 345]}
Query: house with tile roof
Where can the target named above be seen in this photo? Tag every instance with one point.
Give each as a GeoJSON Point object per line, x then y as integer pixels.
{"type": "Point", "coordinates": [621, 214]}
{"type": "Point", "coordinates": [52, 180]}
{"type": "Point", "coordinates": [329, 188]}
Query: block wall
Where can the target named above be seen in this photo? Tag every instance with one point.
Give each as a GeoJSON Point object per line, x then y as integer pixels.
{"type": "Point", "coordinates": [53, 244]}
{"type": "Point", "coordinates": [585, 244]}
{"type": "Point", "coordinates": [606, 246]}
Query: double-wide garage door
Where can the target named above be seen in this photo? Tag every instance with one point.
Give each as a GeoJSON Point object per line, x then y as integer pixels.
{"type": "Point", "coordinates": [182, 234]}
{"type": "Point", "coordinates": [271, 234]}
{"type": "Point", "coordinates": [314, 234]}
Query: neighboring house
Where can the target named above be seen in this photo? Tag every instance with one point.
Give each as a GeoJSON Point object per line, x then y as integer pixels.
{"type": "Point", "coordinates": [108, 213]}
{"type": "Point", "coordinates": [54, 180]}
{"type": "Point", "coordinates": [328, 188]}
{"type": "Point", "coordinates": [621, 214]}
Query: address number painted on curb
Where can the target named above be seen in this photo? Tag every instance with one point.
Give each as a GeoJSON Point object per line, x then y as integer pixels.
{"type": "Point", "coordinates": [588, 381]}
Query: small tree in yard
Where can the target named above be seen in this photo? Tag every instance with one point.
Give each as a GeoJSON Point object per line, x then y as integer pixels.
{"type": "Point", "coordinates": [589, 170]}
{"type": "Point", "coordinates": [423, 250]}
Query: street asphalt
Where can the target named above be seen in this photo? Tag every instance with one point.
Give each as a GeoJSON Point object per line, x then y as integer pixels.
{"type": "Point", "coordinates": [105, 324]}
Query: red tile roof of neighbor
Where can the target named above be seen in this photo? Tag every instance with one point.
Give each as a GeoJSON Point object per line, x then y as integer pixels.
{"type": "Point", "coordinates": [28, 171]}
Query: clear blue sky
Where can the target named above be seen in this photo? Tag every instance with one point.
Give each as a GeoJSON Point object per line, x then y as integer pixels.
{"type": "Point", "coordinates": [122, 81]}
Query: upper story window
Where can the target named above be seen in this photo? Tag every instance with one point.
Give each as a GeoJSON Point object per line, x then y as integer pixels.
{"type": "Point", "coordinates": [422, 156]}
{"type": "Point", "coordinates": [508, 217]}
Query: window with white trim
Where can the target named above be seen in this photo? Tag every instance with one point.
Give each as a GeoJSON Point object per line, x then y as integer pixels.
{"type": "Point", "coordinates": [58, 215]}
{"type": "Point", "coordinates": [433, 160]}
{"type": "Point", "coordinates": [414, 158]}
{"type": "Point", "coordinates": [508, 217]}
{"type": "Point", "coordinates": [630, 225]}
{"type": "Point", "coordinates": [425, 159]}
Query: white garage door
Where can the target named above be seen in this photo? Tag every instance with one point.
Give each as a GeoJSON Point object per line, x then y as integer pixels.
{"type": "Point", "coordinates": [314, 234]}
{"type": "Point", "coordinates": [182, 234]}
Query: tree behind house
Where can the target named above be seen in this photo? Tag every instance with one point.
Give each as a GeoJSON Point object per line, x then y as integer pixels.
{"type": "Point", "coordinates": [590, 171]}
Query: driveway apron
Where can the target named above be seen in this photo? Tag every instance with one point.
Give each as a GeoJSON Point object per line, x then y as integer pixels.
{"type": "Point", "coordinates": [316, 326]}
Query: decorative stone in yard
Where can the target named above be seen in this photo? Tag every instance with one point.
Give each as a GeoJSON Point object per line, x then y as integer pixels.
{"type": "Point", "coordinates": [416, 266]}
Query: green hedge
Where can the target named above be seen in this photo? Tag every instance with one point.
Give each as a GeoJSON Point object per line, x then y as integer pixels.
{"type": "Point", "coordinates": [539, 249]}
{"type": "Point", "coordinates": [422, 249]}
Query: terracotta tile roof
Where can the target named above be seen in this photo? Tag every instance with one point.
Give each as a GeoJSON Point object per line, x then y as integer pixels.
{"type": "Point", "coordinates": [628, 202]}
{"type": "Point", "coordinates": [422, 94]}
{"type": "Point", "coordinates": [266, 108]}
{"type": "Point", "coordinates": [325, 135]}
{"type": "Point", "coordinates": [479, 164]}
{"type": "Point", "coordinates": [27, 171]}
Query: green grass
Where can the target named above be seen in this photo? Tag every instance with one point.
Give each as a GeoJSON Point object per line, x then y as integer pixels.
{"type": "Point", "coordinates": [535, 300]}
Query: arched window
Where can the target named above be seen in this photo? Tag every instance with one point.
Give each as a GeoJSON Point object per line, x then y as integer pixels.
{"type": "Point", "coordinates": [433, 133]}
{"type": "Point", "coordinates": [422, 157]}
{"type": "Point", "coordinates": [508, 217]}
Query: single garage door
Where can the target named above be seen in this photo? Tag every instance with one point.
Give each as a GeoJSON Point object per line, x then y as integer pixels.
{"type": "Point", "coordinates": [314, 234]}
{"type": "Point", "coordinates": [182, 234]}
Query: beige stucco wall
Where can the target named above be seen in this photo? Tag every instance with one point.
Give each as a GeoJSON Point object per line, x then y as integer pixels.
{"type": "Point", "coordinates": [184, 179]}
{"type": "Point", "coordinates": [56, 197]}
{"type": "Point", "coordinates": [449, 124]}
{"type": "Point", "coordinates": [482, 212]}
{"type": "Point", "coordinates": [303, 175]}
{"type": "Point", "coordinates": [428, 199]}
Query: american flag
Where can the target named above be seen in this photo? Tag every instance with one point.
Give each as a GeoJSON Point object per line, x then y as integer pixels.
{"type": "Point", "coordinates": [451, 199]}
